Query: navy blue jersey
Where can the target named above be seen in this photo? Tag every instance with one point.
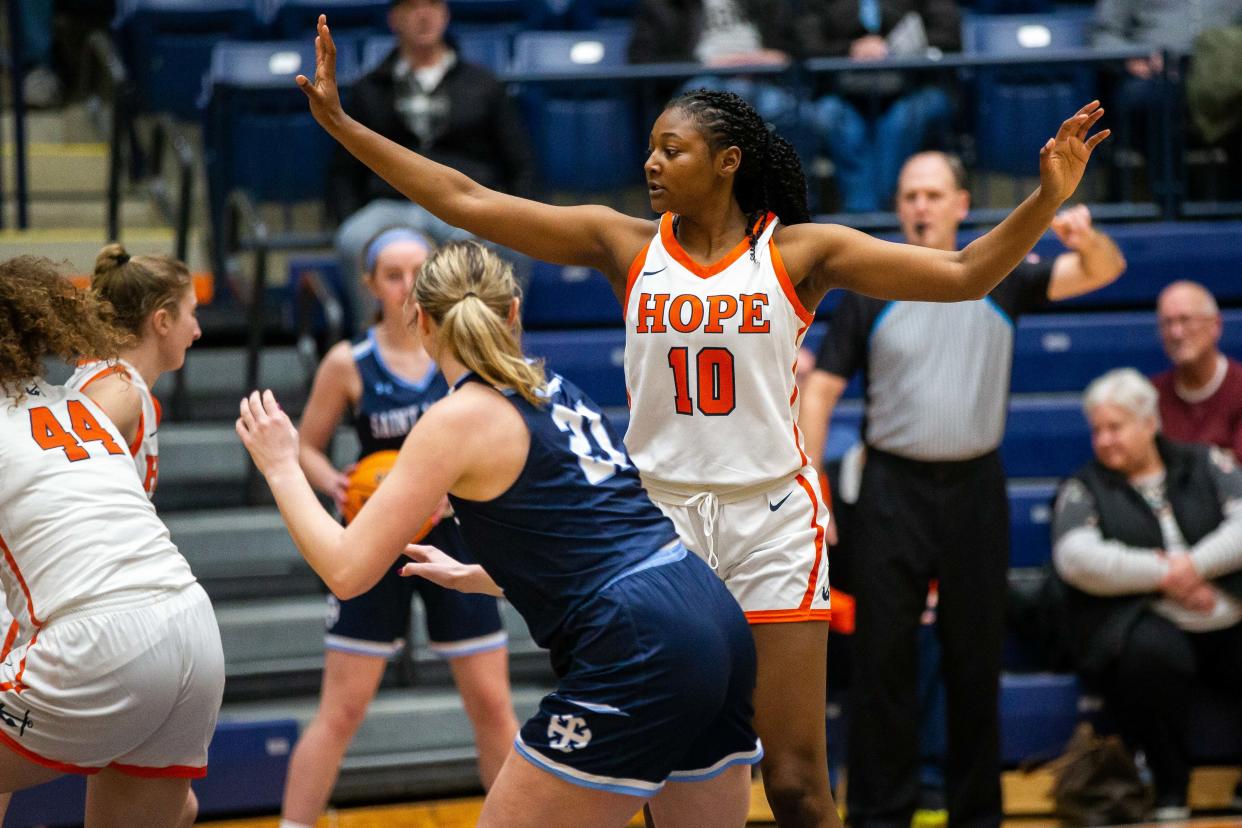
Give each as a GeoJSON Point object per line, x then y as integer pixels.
{"type": "Point", "coordinates": [575, 519]}
{"type": "Point", "coordinates": [390, 404]}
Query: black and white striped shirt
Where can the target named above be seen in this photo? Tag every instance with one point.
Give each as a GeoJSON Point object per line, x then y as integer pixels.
{"type": "Point", "coordinates": [936, 375]}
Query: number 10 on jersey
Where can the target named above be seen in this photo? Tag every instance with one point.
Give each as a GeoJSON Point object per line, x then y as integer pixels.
{"type": "Point", "coordinates": [710, 377]}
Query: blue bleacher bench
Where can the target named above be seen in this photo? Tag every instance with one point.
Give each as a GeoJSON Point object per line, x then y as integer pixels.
{"type": "Point", "coordinates": [246, 766]}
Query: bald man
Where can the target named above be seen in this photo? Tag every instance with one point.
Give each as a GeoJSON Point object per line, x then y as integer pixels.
{"type": "Point", "coordinates": [1201, 395]}
{"type": "Point", "coordinates": [932, 503]}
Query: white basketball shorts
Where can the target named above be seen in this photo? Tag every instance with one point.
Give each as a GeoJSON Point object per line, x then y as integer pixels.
{"type": "Point", "coordinates": [767, 544]}
{"type": "Point", "coordinates": [132, 682]}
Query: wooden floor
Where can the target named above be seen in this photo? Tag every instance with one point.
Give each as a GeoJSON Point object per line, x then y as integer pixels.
{"type": "Point", "coordinates": [1026, 802]}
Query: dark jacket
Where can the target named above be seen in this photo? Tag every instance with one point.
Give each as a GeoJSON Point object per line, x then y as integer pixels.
{"type": "Point", "coordinates": [826, 28]}
{"type": "Point", "coordinates": [1101, 624]}
{"type": "Point", "coordinates": [667, 31]}
{"type": "Point", "coordinates": [484, 136]}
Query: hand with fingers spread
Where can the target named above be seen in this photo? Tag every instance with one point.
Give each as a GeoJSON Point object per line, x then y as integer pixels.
{"type": "Point", "coordinates": [324, 97]}
{"type": "Point", "coordinates": [268, 434]}
{"type": "Point", "coordinates": [448, 572]}
{"type": "Point", "coordinates": [1063, 160]}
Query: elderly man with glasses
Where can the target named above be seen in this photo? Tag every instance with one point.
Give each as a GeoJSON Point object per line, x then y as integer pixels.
{"type": "Point", "coordinates": [1201, 395]}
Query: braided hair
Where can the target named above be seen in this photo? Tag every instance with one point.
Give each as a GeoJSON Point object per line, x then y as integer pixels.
{"type": "Point", "coordinates": [770, 177]}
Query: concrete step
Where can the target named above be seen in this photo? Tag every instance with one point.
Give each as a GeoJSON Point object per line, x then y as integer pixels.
{"type": "Point", "coordinates": [414, 741]}
{"type": "Point", "coordinates": [57, 168]}
{"type": "Point", "coordinates": [214, 371]}
{"type": "Point", "coordinates": [276, 636]}
{"type": "Point", "coordinates": [78, 246]}
{"type": "Point", "coordinates": [70, 124]}
{"type": "Point", "coordinates": [138, 212]}
{"type": "Point", "coordinates": [241, 552]}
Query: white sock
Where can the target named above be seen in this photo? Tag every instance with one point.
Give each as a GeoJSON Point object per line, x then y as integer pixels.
{"type": "Point", "coordinates": [288, 823]}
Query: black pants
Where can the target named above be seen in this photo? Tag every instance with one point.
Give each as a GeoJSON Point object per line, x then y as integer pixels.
{"type": "Point", "coordinates": [916, 521]}
{"type": "Point", "coordinates": [1152, 686]}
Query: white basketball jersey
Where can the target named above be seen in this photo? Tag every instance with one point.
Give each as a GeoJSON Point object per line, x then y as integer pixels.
{"type": "Point", "coordinates": [710, 354]}
{"type": "Point", "coordinates": [75, 524]}
{"type": "Point", "coordinates": [146, 447]}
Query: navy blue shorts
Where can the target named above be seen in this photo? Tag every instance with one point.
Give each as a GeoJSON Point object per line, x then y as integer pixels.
{"type": "Point", "coordinates": [657, 685]}
{"type": "Point", "coordinates": [377, 622]}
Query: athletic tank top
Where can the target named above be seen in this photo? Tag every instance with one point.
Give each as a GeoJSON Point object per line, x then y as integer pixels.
{"type": "Point", "coordinates": [390, 404]}
{"type": "Point", "coordinates": [76, 526]}
{"type": "Point", "coordinates": [575, 518]}
{"type": "Point", "coordinates": [710, 354]}
{"type": "Point", "coordinates": [146, 447]}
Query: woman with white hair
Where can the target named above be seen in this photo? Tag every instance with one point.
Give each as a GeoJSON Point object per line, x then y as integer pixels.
{"type": "Point", "coordinates": [1148, 536]}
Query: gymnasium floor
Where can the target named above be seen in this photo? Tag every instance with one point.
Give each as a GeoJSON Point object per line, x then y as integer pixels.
{"type": "Point", "coordinates": [1024, 793]}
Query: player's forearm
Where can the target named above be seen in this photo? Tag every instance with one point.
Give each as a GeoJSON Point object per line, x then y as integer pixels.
{"type": "Point", "coordinates": [991, 257]}
{"type": "Point", "coordinates": [425, 182]}
{"type": "Point", "coordinates": [317, 536]}
{"type": "Point", "coordinates": [1101, 261]}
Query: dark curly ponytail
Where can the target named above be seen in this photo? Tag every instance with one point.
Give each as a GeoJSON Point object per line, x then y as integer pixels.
{"type": "Point", "coordinates": [770, 177]}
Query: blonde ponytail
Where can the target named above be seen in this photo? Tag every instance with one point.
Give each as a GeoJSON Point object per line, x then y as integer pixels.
{"type": "Point", "coordinates": [468, 291]}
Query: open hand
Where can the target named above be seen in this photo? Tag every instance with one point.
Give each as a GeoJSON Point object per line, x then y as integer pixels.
{"type": "Point", "coordinates": [1063, 160]}
{"type": "Point", "coordinates": [267, 433]}
{"type": "Point", "coordinates": [324, 97]}
{"type": "Point", "coordinates": [448, 572]}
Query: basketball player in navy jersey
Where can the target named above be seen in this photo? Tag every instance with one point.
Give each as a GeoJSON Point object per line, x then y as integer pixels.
{"type": "Point", "coordinates": [717, 295]}
{"type": "Point", "coordinates": [656, 665]}
{"type": "Point", "coordinates": [382, 384]}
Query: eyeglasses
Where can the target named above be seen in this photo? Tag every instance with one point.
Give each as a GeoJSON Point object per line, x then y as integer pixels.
{"type": "Point", "coordinates": [1168, 323]}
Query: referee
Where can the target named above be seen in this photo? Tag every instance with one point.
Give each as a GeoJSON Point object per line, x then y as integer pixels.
{"type": "Point", "coordinates": [933, 503]}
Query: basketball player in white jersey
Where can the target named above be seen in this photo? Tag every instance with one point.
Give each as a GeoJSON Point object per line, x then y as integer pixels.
{"type": "Point", "coordinates": [122, 674]}
{"type": "Point", "coordinates": [153, 300]}
{"type": "Point", "coordinates": [717, 295]}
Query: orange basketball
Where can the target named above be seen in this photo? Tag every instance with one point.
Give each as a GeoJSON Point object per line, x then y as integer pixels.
{"type": "Point", "coordinates": [365, 477]}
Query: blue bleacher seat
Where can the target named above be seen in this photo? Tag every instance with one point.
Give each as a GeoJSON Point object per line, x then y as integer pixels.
{"type": "Point", "coordinates": [584, 131]}
{"type": "Point", "coordinates": [166, 44]}
{"type": "Point", "coordinates": [1065, 352]}
{"type": "Point", "coordinates": [591, 359]}
{"type": "Point", "coordinates": [1045, 437]}
{"type": "Point", "coordinates": [348, 19]}
{"type": "Point", "coordinates": [1038, 714]}
{"type": "Point", "coordinates": [1030, 518]}
{"type": "Point", "coordinates": [247, 762]}
{"type": "Point", "coordinates": [568, 297]}
{"type": "Point", "coordinates": [259, 136]}
{"type": "Point", "coordinates": [1019, 107]}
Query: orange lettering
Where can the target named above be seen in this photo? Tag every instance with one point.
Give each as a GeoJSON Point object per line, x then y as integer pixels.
{"type": "Point", "coordinates": [719, 308]}
{"type": "Point", "coordinates": [753, 306]}
{"type": "Point", "coordinates": [651, 312]}
{"type": "Point", "coordinates": [675, 315]}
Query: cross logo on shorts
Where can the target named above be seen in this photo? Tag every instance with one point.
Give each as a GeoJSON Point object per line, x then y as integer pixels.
{"type": "Point", "coordinates": [568, 733]}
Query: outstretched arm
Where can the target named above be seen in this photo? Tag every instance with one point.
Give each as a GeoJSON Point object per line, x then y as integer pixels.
{"type": "Point", "coordinates": [592, 236]}
{"type": "Point", "coordinates": [832, 256]}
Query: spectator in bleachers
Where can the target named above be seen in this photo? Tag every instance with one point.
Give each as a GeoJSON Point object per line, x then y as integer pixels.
{"type": "Point", "coordinates": [1159, 25]}
{"type": "Point", "coordinates": [1148, 536]}
{"type": "Point", "coordinates": [873, 121]}
{"type": "Point", "coordinates": [933, 501]}
{"type": "Point", "coordinates": [424, 97]}
{"type": "Point", "coordinates": [1201, 395]}
{"type": "Point", "coordinates": [721, 33]}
